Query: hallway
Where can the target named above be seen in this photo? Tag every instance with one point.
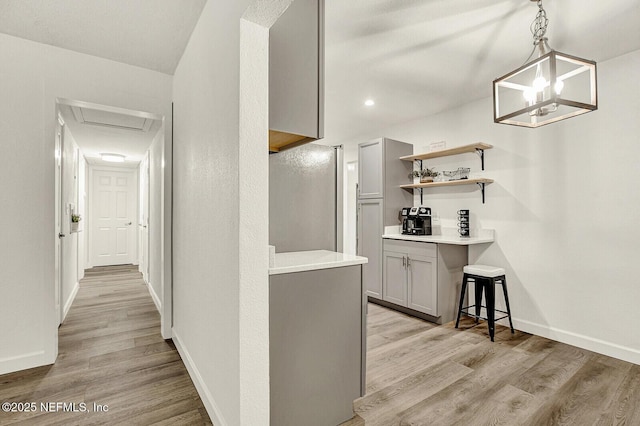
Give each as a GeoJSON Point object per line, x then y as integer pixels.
{"type": "Point", "coordinates": [111, 354]}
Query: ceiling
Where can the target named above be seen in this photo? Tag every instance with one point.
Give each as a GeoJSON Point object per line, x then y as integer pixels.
{"type": "Point", "coordinates": [147, 33]}
{"type": "Point", "coordinates": [412, 57]}
{"type": "Point", "coordinates": [98, 129]}
{"type": "Point", "coordinates": [419, 57]}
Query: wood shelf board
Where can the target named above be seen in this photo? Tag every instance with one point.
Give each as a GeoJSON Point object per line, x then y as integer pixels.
{"type": "Point", "coordinates": [447, 152]}
{"type": "Point", "coordinates": [280, 140]}
{"type": "Point", "coordinates": [448, 183]}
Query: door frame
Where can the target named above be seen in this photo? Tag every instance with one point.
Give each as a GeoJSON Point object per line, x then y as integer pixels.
{"type": "Point", "coordinates": [58, 206]}
{"type": "Point", "coordinates": [166, 191]}
{"type": "Point", "coordinates": [92, 169]}
{"type": "Point", "coordinates": [144, 197]}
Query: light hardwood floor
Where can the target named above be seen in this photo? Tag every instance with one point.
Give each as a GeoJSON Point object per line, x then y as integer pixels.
{"type": "Point", "coordinates": [423, 374]}
{"type": "Point", "coordinates": [110, 353]}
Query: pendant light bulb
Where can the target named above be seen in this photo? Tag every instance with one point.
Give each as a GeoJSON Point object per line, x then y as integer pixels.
{"type": "Point", "coordinates": [559, 86]}
{"type": "Point", "coordinates": [530, 95]}
{"type": "Point", "coordinates": [539, 84]}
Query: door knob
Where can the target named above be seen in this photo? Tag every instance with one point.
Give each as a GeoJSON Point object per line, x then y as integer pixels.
{"type": "Point", "coordinates": [128, 223]}
{"type": "Point", "coordinates": [61, 235]}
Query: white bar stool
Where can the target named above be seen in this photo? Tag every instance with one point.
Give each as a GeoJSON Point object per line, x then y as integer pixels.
{"type": "Point", "coordinates": [485, 278]}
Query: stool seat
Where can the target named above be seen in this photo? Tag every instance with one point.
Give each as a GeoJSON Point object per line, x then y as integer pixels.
{"type": "Point", "coordinates": [484, 271]}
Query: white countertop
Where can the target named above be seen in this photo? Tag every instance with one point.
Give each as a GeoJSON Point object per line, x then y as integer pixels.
{"type": "Point", "coordinates": [300, 261]}
{"type": "Point", "coordinates": [447, 236]}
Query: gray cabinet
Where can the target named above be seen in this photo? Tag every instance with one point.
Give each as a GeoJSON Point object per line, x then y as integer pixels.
{"type": "Point", "coordinates": [370, 172]}
{"type": "Point", "coordinates": [394, 277]}
{"type": "Point", "coordinates": [422, 284]}
{"type": "Point", "coordinates": [380, 198]}
{"type": "Point", "coordinates": [317, 346]}
{"type": "Point", "coordinates": [410, 276]}
{"type": "Point", "coordinates": [423, 277]}
{"type": "Point", "coordinates": [369, 244]}
{"type": "Point", "coordinates": [296, 75]}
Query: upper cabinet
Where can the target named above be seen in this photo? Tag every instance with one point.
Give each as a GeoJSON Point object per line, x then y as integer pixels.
{"type": "Point", "coordinates": [370, 172]}
{"type": "Point", "coordinates": [296, 76]}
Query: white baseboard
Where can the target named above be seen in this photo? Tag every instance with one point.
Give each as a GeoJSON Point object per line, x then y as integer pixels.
{"type": "Point", "coordinates": [69, 302]}
{"type": "Point", "coordinates": [207, 399]}
{"type": "Point", "coordinates": [22, 362]}
{"type": "Point", "coordinates": [585, 342]}
{"type": "Point", "coordinates": [155, 298]}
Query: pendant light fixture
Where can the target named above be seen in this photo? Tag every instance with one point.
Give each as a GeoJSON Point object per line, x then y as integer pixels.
{"type": "Point", "coordinates": [549, 88]}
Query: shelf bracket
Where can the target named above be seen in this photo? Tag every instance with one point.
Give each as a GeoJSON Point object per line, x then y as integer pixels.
{"type": "Point", "coordinates": [420, 168]}
{"type": "Point", "coordinates": [480, 153]}
{"type": "Point", "coordinates": [481, 185]}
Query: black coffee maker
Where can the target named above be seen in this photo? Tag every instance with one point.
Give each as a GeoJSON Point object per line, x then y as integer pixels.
{"type": "Point", "coordinates": [416, 220]}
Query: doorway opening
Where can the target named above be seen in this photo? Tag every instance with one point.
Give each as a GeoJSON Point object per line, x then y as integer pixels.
{"type": "Point", "coordinates": [111, 209]}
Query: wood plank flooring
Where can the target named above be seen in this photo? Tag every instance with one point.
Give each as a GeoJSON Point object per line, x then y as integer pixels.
{"type": "Point", "coordinates": [419, 373]}
{"type": "Point", "coordinates": [110, 353]}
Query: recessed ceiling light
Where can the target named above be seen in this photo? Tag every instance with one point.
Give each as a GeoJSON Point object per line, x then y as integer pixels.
{"type": "Point", "coordinates": [369, 102]}
{"type": "Point", "coordinates": [112, 158]}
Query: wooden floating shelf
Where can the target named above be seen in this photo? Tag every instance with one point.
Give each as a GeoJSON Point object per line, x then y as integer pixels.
{"type": "Point", "coordinates": [448, 183]}
{"type": "Point", "coordinates": [474, 147]}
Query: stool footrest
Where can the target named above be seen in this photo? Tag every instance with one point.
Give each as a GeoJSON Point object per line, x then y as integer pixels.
{"type": "Point", "coordinates": [466, 311]}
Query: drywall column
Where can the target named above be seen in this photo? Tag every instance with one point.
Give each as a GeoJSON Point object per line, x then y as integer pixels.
{"type": "Point", "coordinates": [254, 191]}
{"type": "Point", "coordinates": [254, 235]}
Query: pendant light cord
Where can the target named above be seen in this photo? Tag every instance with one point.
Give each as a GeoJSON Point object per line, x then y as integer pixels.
{"type": "Point", "coordinates": [538, 30]}
{"type": "Point", "coordinates": [539, 24]}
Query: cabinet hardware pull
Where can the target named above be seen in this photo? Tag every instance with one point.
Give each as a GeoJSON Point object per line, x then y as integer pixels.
{"type": "Point", "coordinates": [408, 261]}
{"type": "Point", "coordinates": [404, 262]}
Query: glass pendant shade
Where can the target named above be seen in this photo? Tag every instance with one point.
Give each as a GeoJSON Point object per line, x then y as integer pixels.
{"type": "Point", "coordinates": [550, 88]}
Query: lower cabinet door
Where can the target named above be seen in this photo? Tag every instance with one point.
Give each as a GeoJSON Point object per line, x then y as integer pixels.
{"type": "Point", "coordinates": [394, 278]}
{"type": "Point", "coordinates": [422, 286]}
{"type": "Point", "coordinates": [370, 230]}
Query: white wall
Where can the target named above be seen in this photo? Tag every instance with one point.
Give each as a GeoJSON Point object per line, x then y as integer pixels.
{"type": "Point", "coordinates": [220, 249]}
{"type": "Point", "coordinates": [205, 250]}
{"type": "Point", "coordinates": [30, 82]}
{"type": "Point", "coordinates": [70, 169]}
{"type": "Point", "coordinates": [563, 207]}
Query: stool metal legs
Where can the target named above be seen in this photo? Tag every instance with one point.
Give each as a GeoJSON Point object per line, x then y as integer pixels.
{"type": "Point", "coordinates": [490, 298]}
{"type": "Point", "coordinates": [463, 291]}
{"type": "Point", "coordinates": [506, 301]}
{"type": "Point", "coordinates": [479, 287]}
{"type": "Point", "coordinates": [488, 286]}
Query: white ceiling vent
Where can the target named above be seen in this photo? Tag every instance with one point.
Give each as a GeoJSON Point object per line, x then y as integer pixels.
{"type": "Point", "coordinates": [111, 119]}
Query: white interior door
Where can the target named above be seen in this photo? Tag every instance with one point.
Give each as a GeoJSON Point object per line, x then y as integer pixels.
{"type": "Point", "coordinates": [113, 212]}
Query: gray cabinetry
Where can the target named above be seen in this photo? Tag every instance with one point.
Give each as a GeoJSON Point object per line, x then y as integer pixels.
{"type": "Point", "coordinates": [422, 284]}
{"type": "Point", "coordinates": [316, 346]}
{"type": "Point", "coordinates": [296, 75]}
{"type": "Point", "coordinates": [394, 278]}
{"type": "Point", "coordinates": [369, 244]}
{"type": "Point", "coordinates": [423, 277]}
{"type": "Point", "coordinates": [380, 198]}
{"type": "Point", "coordinates": [370, 172]}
